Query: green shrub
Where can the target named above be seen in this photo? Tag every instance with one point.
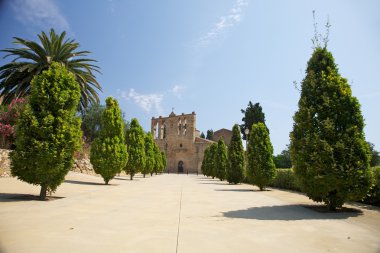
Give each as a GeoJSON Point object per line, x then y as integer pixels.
{"type": "Point", "coordinates": [221, 160]}
{"type": "Point", "coordinates": [285, 179]}
{"type": "Point", "coordinates": [48, 133]}
{"type": "Point", "coordinates": [135, 149]}
{"type": "Point", "coordinates": [260, 169]}
{"type": "Point", "coordinates": [373, 197]}
{"type": "Point", "coordinates": [108, 152]}
{"type": "Point", "coordinates": [328, 148]}
{"type": "Point", "coordinates": [235, 170]}
{"type": "Point", "coordinates": [149, 154]}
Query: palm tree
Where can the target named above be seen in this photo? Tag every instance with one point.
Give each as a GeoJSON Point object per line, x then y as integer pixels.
{"type": "Point", "coordinates": [15, 77]}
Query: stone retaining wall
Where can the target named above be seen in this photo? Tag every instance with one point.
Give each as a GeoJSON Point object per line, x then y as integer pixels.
{"type": "Point", "coordinates": [4, 163]}
{"type": "Point", "coordinates": [81, 164]}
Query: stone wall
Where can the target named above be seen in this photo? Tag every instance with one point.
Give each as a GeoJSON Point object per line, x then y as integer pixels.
{"type": "Point", "coordinates": [223, 133]}
{"type": "Point", "coordinates": [81, 164]}
{"type": "Point", "coordinates": [4, 163]}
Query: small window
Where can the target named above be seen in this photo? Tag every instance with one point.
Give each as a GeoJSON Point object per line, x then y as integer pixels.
{"type": "Point", "coordinates": [180, 145]}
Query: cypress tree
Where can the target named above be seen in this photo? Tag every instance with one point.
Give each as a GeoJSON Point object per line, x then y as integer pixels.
{"type": "Point", "coordinates": [261, 169]}
{"type": "Point", "coordinates": [157, 159]}
{"type": "Point", "coordinates": [328, 148]}
{"type": "Point", "coordinates": [235, 171]}
{"type": "Point", "coordinates": [48, 133]}
{"type": "Point", "coordinates": [221, 161]}
{"type": "Point", "coordinates": [212, 160]}
{"type": "Point", "coordinates": [149, 154]}
{"type": "Point", "coordinates": [108, 151]}
{"type": "Point", "coordinates": [164, 161]}
{"type": "Point", "coordinates": [204, 166]}
{"type": "Point", "coordinates": [135, 148]}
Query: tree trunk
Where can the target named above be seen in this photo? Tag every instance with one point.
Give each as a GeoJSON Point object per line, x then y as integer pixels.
{"type": "Point", "coordinates": [131, 176]}
{"type": "Point", "coordinates": [43, 192]}
{"type": "Point", "coordinates": [144, 175]}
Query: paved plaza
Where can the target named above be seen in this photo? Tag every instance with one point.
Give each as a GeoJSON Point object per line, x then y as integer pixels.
{"type": "Point", "coordinates": [176, 213]}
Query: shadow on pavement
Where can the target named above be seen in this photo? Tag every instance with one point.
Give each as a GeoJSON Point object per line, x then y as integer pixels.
{"type": "Point", "coordinates": [365, 206]}
{"type": "Point", "coordinates": [237, 190]}
{"type": "Point", "coordinates": [216, 182]}
{"type": "Point", "coordinates": [204, 179]}
{"type": "Point", "coordinates": [121, 178]}
{"type": "Point", "coordinates": [16, 197]}
{"type": "Point", "coordinates": [288, 212]}
{"type": "Point", "coordinates": [84, 183]}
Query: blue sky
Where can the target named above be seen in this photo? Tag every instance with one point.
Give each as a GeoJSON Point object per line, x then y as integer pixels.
{"type": "Point", "coordinates": [213, 56]}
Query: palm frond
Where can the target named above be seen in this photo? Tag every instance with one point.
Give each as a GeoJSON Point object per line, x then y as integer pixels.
{"type": "Point", "coordinates": [32, 58]}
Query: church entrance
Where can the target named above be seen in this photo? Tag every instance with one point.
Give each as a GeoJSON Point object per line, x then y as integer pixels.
{"type": "Point", "coordinates": [180, 167]}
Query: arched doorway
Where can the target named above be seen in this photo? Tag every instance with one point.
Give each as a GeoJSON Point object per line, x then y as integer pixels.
{"type": "Point", "coordinates": [180, 167]}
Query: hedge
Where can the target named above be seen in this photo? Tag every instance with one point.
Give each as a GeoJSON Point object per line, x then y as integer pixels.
{"type": "Point", "coordinates": [373, 197]}
{"type": "Point", "coordinates": [285, 179]}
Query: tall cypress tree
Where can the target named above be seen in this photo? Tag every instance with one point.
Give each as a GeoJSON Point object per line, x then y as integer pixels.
{"type": "Point", "coordinates": [328, 148]}
{"type": "Point", "coordinates": [221, 160]}
{"type": "Point", "coordinates": [164, 161]}
{"type": "Point", "coordinates": [213, 157]}
{"type": "Point", "coordinates": [135, 148]}
{"type": "Point", "coordinates": [235, 171]}
{"type": "Point", "coordinates": [149, 154]}
{"type": "Point", "coordinates": [157, 159]}
{"type": "Point", "coordinates": [205, 162]}
{"type": "Point", "coordinates": [261, 169]}
{"type": "Point", "coordinates": [48, 133]}
{"type": "Point", "coordinates": [108, 152]}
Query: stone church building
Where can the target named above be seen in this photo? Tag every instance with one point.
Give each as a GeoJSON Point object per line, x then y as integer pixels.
{"type": "Point", "coordinates": [178, 137]}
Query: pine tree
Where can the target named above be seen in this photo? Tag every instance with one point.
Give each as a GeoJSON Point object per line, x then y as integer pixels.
{"type": "Point", "coordinates": [252, 114]}
{"type": "Point", "coordinates": [92, 121]}
{"type": "Point", "coordinates": [261, 169]}
{"type": "Point", "coordinates": [328, 149]}
{"type": "Point", "coordinates": [203, 135]}
{"type": "Point", "coordinates": [210, 134]}
{"type": "Point", "coordinates": [135, 148]}
{"type": "Point", "coordinates": [221, 160]}
{"type": "Point", "coordinates": [149, 154]}
{"type": "Point", "coordinates": [235, 171]}
{"type": "Point", "coordinates": [48, 133]}
{"type": "Point", "coordinates": [108, 151]}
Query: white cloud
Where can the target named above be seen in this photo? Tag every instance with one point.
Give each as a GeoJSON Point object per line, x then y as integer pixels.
{"type": "Point", "coordinates": [145, 101]}
{"type": "Point", "coordinates": [178, 90]}
{"type": "Point", "coordinates": [39, 13]}
{"type": "Point", "coordinates": [234, 16]}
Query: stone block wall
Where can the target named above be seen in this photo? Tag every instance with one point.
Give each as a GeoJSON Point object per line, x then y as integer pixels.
{"type": "Point", "coordinates": [4, 163]}
{"type": "Point", "coordinates": [81, 164]}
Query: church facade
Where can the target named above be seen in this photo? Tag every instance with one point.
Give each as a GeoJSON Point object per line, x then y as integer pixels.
{"type": "Point", "coordinates": [177, 136]}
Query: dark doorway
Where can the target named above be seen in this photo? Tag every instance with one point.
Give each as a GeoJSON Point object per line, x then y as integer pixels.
{"type": "Point", "coordinates": [180, 167]}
